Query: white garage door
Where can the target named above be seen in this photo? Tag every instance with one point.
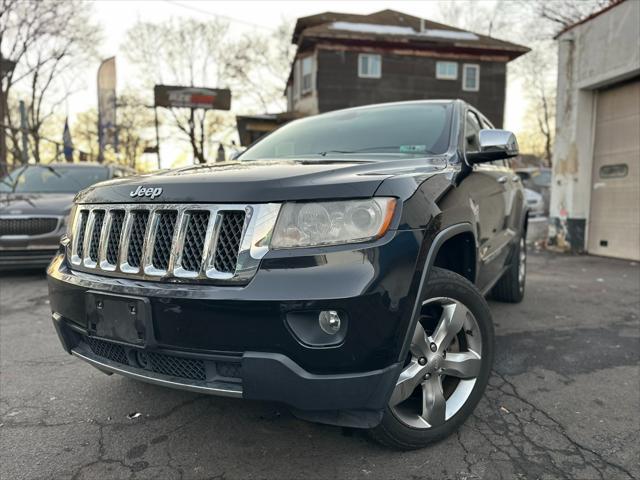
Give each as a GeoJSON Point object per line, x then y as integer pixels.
{"type": "Point", "coordinates": [614, 222]}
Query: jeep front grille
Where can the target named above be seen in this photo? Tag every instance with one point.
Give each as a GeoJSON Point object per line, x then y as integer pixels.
{"type": "Point", "coordinates": [217, 242]}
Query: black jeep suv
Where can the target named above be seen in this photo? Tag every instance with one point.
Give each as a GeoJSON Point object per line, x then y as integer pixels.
{"type": "Point", "coordinates": [338, 266]}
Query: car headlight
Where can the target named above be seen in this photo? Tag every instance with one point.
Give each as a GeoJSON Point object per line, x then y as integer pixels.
{"type": "Point", "coordinates": [313, 224]}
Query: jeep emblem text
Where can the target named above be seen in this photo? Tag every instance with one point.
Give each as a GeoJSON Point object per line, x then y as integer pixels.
{"type": "Point", "coordinates": [151, 192]}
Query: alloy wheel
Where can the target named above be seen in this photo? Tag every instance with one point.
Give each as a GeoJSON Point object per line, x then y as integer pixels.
{"type": "Point", "coordinates": [444, 361]}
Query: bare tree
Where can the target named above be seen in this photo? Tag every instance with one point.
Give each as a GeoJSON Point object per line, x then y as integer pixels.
{"type": "Point", "coordinates": [50, 41]}
{"type": "Point", "coordinates": [135, 127]}
{"type": "Point", "coordinates": [564, 13]}
{"type": "Point", "coordinates": [533, 23]}
{"type": "Point", "coordinates": [261, 64]}
{"type": "Point", "coordinates": [184, 52]}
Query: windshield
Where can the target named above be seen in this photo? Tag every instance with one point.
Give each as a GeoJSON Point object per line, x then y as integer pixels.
{"type": "Point", "coordinates": [389, 130]}
{"type": "Point", "coordinates": [542, 178]}
{"type": "Point", "coordinates": [49, 179]}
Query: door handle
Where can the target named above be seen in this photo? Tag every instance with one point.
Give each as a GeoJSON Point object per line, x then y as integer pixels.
{"type": "Point", "coordinates": [503, 179]}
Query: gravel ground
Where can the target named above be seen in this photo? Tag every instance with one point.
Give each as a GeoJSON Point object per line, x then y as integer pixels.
{"type": "Point", "coordinates": [563, 401]}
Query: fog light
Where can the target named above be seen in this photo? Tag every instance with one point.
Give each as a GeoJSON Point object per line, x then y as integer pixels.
{"type": "Point", "coordinates": [329, 321]}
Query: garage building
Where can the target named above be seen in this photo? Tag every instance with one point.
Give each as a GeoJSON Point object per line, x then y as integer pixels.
{"type": "Point", "coordinates": [595, 195]}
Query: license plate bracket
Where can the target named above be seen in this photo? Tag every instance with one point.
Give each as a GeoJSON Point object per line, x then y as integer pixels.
{"type": "Point", "coordinates": [118, 318]}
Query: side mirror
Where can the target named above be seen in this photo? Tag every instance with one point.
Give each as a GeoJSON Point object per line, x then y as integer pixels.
{"type": "Point", "coordinates": [494, 145]}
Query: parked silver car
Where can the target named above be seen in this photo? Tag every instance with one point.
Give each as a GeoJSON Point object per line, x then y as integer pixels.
{"type": "Point", "coordinates": [35, 201]}
{"type": "Point", "coordinates": [535, 203]}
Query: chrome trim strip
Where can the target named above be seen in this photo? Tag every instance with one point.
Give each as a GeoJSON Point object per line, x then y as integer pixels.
{"type": "Point", "coordinates": [88, 235]}
{"type": "Point", "coordinates": [149, 244]}
{"type": "Point", "coordinates": [104, 241]}
{"type": "Point", "coordinates": [150, 377]}
{"type": "Point", "coordinates": [77, 219]}
{"type": "Point", "coordinates": [259, 223]}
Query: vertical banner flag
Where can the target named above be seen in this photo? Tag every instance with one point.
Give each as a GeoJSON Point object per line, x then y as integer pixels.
{"type": "Point", "coordinates": [107, 132]}
{"type": "Point", "coordinates": [67, 144]}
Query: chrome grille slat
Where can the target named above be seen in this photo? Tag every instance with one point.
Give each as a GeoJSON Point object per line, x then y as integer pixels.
{"type": "Point", "coordinates": [221, 243]}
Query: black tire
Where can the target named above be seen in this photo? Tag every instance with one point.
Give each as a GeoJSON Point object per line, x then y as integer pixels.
{"type": "Point", "coordinates": [392, 432]}
{"type": "Point", "coordinates": [510, 288]}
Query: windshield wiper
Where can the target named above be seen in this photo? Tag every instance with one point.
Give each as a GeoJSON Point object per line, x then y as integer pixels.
{"type": "Point", "coordinates": [370, 149]}
{"type": "Point", "coordinates": [51, 169]}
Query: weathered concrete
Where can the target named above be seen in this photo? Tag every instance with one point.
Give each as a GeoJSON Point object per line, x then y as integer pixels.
{"type": "Point", "coordinates": [563, 401]}
{"type": "Point", "coordinates": [598, 53]}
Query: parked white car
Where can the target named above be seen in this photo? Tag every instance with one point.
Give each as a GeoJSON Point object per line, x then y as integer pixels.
{"type": "Point", "coordinates": [535, 202]}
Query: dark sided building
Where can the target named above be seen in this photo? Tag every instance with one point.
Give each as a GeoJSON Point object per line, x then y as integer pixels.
{"type": "Point", "coordinates": [347, 60]}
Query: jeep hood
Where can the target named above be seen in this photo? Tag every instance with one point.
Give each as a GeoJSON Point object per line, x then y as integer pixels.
{"type": "Point", "coordinates": [261, 181]}
{"type": "Point", "coordinates": [36, 203]}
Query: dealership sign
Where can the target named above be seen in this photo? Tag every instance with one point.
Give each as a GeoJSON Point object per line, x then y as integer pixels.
{"type": "Point", "coordinates": [192, 97]}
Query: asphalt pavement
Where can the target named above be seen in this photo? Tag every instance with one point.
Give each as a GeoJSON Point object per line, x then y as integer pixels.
{"type": "Point", "coordinates": [562, 403]}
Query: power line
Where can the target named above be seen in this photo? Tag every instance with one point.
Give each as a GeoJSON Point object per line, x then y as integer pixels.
{"type": "Point", "coordinates": [206, 12]}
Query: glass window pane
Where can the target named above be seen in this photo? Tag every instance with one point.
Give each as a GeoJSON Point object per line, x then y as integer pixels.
{"type": "Point", "coordinates": [471, 81]}
{"type": "Point", "coordinates": [387, 131]}
{"type": "Point", "coordinates": [447, 70]}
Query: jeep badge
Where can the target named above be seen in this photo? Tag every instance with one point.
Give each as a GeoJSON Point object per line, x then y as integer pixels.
{"type": "Point", "coordinates": [151, 192]}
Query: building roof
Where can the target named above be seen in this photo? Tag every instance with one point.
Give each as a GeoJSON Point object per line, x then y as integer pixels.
{"type": "Point", "coordinates": [397, 28]}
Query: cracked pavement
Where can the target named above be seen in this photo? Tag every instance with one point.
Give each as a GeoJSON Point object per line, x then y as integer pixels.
{"type": "Point", "coordinates": [562, 403]}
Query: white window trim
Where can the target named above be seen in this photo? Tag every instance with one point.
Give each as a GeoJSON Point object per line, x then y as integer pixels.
{"type": "Point", "coordinates": [304, 91]}
{"type": "Point", "coordinates": [464, 77]}
{"type": "Point", "coordinates": [361, 74]}
{"type": "Point", "coordinates": [446, 77]}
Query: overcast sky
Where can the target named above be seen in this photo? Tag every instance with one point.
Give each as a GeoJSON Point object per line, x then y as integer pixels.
{"type": "Point", "coordinates": [116, 17]}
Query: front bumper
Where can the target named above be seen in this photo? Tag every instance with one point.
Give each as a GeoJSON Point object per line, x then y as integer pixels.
{"type": "Point", "coordinates": [239, 338]}
{"type": "Point", "coordinates": [31, 258]}
{"type": "Point", "coordinates": [26, 251]}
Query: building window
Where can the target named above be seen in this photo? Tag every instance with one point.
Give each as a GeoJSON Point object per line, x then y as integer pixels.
{"type": "Point", "coordinates": [369, 65]}
{"type": "Point", "coordinates": [307, 72]}
{"type": "Point", "coordinates": [470, 77]}
{"type": "Point", "coordinates": [446, 70]}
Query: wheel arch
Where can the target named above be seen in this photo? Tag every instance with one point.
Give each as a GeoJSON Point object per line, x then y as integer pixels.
{"type": "Point", "coordinates": [446, 234]}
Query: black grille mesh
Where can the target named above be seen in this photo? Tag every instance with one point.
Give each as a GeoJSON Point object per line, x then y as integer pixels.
{"type": "Point", "coordinates": [27, 226]}
{"type": "Point", "coordinates": [136, 238]}
{"type": "Point", "coordinates": [163, 240]}
{"type": "Point", "coordinates": [194, 241]}
{"type": "Point", "coordinates": [95, 235]}
{"type": "Point", "coordinates": [113, 244]}
{"type": "Point", "coordinates": [229, 369]}
{"type": "Point", "coordinates": [111, 351]}
{"type": "Point", "coordinates": [161, 363]}
{"type": "Point", "coordinates": [83, 226]}
{"type": "Point", "coordinates": [177, 366]}
{"type": "Point", "coordinates": [229, 241]}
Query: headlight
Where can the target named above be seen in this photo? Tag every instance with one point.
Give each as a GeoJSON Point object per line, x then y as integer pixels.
{"type": "Point", "coordinates": [329, 223]}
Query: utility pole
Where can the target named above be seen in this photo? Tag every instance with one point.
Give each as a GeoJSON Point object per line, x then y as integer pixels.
{"type": "Point", "coordinates": [24, 129]}
{"type": "Point", "coordinates": [6, 68]}
{"type": "Point", "coordinates": [155, 111]}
